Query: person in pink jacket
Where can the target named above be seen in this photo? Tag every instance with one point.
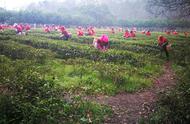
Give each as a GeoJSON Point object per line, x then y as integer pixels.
{"type": "Point", "coordinates": [102, 43]}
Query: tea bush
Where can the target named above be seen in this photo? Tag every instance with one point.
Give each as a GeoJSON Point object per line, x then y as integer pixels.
{"type": "Point", "coordinates": [173, 106]}
{"type": "Point", "coordinates": [18, 51]}
{"type": "Point", "coordinates": [26, 97]}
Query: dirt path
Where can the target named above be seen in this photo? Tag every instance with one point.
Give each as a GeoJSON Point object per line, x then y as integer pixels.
{"type": "Point", "coordinates": [129, 107]}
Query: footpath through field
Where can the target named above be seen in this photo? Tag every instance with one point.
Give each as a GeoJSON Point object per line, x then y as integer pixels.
{"type": "Point", "coordinates": [128, 108]}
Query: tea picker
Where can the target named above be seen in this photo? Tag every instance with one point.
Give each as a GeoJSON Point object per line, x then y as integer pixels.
{"type": "Point", "coordinates": [164, 45]}
{"type": "Point", "coordinates": [65, 35]}
{"type": "Point", "coordinates": [101, 43]}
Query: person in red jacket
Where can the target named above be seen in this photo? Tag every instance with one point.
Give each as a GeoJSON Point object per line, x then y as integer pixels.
{"type": "Point", "coordinates": [126, 34]}
{"type": "Point", "coordinates": [175, 33]}
{"type": "Point", "coordinates": [120, 30]}
{"type": "Point", "coordinates": [93, 31]}
{"type": "Point", "coordinates": [90, 31]}
{"type": "Point", "coordinates": [80, 32]}
{"type": "Point", "coordinates": [132, 34]}
{"type": "Point", "coordinates": [27, 28]}
{"type": "Point", "coordinates": [96, 43]}
{"type": "Point", "coordinates": [143, 32]}
{"type": "Point", "coordinates": [62, 29]}
{"type": "Point", "coordinates": [18, 29]}
{"type": "Point", "coordinates": [47, 29]}
{"type": "Point", "coordinates": [65, 35]}
{"type": "Point", "coordinates": [168, 32]}
{"type": "Point", "coordinates": [22, 26]}
{"type": "Point", "coordinates": [163, 43]}
{"type": "Point", "coordinates": [1, 28]}
{"type": "Point", "coordinates": [112, 31]}
{"type": "Point", "coordinates": [186, 34]}
{"type": "Point", "coordinates": [148, 33]}
{"type": "Point", "coordinates": [134, 29]}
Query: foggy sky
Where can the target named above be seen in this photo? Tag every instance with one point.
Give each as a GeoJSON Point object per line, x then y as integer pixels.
{"type": "Point", "coordinates": [20, 4]}
{"type": "Point", "coordinates": [16, 4]}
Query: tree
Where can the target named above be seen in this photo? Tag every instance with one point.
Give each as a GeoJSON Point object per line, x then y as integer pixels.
{"type": "Point", "coordinates": [175, 8]}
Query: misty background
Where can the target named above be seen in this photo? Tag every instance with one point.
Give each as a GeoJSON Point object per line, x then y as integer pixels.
{"type": "Point", "coordinates": [90, 12]}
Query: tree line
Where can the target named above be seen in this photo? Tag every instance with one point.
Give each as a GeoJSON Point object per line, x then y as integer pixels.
{"type": "Point", "coordinates": [88, 15]}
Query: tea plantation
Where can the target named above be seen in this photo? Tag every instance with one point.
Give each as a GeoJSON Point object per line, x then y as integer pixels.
{"type": "Point", "coordinates": [43, 78]}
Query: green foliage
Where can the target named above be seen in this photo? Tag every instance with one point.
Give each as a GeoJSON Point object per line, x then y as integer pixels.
{"type": "Point", "coordinates": [17, 51]}
{"type": "Point", "coordinates": [78, 67]}
{"type": "Point", "coordinates": [173, 106]}
{"type": "Point", "coordinates": [26, 97]}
